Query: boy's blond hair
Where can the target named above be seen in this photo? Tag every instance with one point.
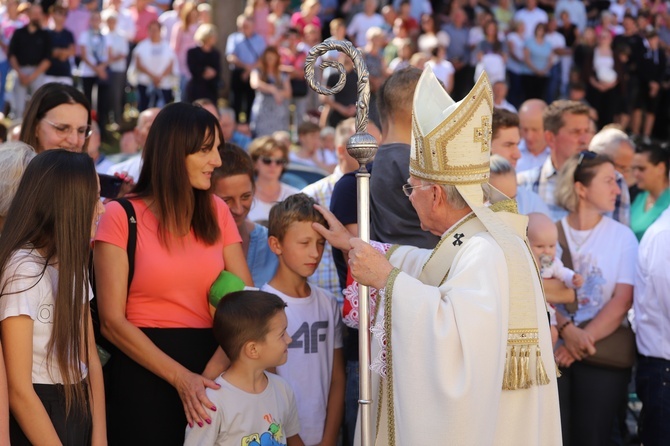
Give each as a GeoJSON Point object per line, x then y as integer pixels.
{"type": "Point", "coordinates": [298, 207]}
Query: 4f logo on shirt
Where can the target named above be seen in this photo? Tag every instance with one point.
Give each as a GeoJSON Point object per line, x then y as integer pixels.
{"type": "Point", "coordinates": [309, 337]}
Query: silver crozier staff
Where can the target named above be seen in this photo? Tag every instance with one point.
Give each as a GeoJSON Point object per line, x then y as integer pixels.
{"type": "Point", "coordinates": [361, 146]}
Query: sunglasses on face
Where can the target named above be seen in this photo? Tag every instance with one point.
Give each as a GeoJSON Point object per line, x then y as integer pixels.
{"type": "Point", "coordinates": [269, 160]}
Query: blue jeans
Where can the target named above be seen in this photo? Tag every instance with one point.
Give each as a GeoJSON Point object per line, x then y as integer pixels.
{"type": "Point", "coordinates": [554, 83]}
{"type": "Point", "coordinates": [4, 69]}
{"type": "Point", "coordinates": [351, 401]}
{"type": "Point", "coordinates": [152, 97]}
{"type": "Point", "coordinates": [652, 384]}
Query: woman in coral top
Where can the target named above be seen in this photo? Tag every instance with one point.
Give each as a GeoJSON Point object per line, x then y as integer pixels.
{"type": "Point", "coordinates": [161, 324]}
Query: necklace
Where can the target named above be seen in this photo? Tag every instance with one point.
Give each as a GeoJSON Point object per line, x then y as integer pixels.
{"type": "Point", "coordinates": [651, 201]}
{"type": "Point", "coordinates": [579, 242]}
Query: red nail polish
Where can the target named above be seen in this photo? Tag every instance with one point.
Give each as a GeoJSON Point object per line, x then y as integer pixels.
{"type": "Point", "coordinates": [200, 423]}
{"type": "Point", "coordinates": [208, 421]}
{"type": "Point", "coordinates": [190, 425]}
{"type": "Point", "coordinates": [213, 408]}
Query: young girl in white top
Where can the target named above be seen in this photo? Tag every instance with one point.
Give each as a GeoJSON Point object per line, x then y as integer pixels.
{"type": "Point", "coordinates": [54, 375]}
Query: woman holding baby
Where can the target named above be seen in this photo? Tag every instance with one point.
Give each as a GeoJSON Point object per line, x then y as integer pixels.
{"type": "Point", "coordinates": [604, 253]}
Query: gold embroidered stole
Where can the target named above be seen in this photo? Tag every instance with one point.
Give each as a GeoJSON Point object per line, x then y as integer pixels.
{"type": "Point", "coordinates": [435, 272]}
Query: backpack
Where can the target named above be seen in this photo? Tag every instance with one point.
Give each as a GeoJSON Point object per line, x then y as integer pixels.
{"type": "Point", "coordinates": [106, 348]}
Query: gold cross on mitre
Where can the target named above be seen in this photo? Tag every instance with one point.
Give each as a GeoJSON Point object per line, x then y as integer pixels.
{"type": "Point", "coordinates": [483, 134]}
{"type": "Point", "coordinates": [444, 150]}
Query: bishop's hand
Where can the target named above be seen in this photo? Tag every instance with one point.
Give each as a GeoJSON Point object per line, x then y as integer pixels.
{"type": "Point", "coordinates": [336, 234]}
{"type": "Point", "coordinates": [368, 266]}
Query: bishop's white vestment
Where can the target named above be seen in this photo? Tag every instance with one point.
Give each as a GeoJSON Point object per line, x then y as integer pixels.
{"type": "Point", "coordinates": [442, 371]}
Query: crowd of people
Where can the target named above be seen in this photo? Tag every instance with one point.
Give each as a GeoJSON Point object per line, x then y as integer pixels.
{"type": "Point", "coordinates": [609, 56]}
{"type": "Point", "coordinates": [581, 106]}
{"type": "Point", "coordinates": [162, 51]}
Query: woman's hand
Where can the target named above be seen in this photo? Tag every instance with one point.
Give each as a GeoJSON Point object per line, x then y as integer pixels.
{"type": "Point", "coordinates": [336, 234]}
{"type": "Point", "coordinates": [191, 389]}
{"type": "Point", "coordinates": [209, 73]}
{"type": "Point", "coordinates": [126, 186]}
{"type": "Point", "coordinates": [279, 96]}
{"type": "Point", "coordinates": [578, 342]}
{"type": "Point", "coordinates": [101, 71]}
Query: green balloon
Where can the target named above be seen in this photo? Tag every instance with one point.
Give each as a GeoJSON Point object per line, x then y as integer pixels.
{"type": "Point", "coordinates": [227, 282]}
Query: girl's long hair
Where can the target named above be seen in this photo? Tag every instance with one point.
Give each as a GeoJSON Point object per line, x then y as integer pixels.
{"type": "Point", "coordinates": [180, 129]}
{"type": "Point", "coordinates": [52, 212]}
{"type": "Point", "coordinates": [264, 68]}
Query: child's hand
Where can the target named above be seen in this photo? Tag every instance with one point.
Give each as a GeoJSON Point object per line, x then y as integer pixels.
{"type": "Point", "coordinates": [577, 280]}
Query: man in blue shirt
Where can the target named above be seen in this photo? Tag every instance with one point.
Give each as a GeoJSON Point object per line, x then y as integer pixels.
{"type": "Point", "coordinates": [230, 134]}
{"type": "Point", "coordinates": [459, 53]}
{"type": "Point", "coordinates": [243, 49]}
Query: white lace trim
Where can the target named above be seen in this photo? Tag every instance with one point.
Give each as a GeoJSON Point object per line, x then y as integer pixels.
{"type": "Point", "coordinates": [379, 363]}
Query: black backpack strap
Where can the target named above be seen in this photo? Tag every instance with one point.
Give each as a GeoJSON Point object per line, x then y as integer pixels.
{"type": "Point", "coordinates": [105, 348]}
{"type": "Point", "coordinates": [132, 236]}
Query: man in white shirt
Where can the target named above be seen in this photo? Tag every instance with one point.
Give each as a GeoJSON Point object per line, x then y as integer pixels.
{"type": "Point", "coordinates": [534, 150]}
{"type": "Point", "coordinates": [557, 42]}
{"type": "Point", "coordinates": [531, 16]}
{"type": "Point", "coordinates": [652, 323]}
{"type": "Point", "coordinates": [126, 25]}
{"type": "Point", "coordinates": [363, 21]}
{"type": "Point", "coordinates": [133, 165]}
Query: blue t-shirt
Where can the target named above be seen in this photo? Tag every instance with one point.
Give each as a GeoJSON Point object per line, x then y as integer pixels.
{"type": "Point", "coordinates": [261, 260]}
{"type": "Point", "coordinates": [59, 40]}
{"type": "Point", "coordinates": [539, 53]}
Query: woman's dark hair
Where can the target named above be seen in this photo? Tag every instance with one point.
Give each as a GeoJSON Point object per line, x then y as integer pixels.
{"type": "Point", "coordinates": [180, 129]}
{"type": "Point", "coordinates": [656, 155]}
{"type": "Point", "coordinates": [234, 161]}
{"type": "Point", "coordinates": [47, 97]}
{"type": "Point", "coordinates": [52, 213]}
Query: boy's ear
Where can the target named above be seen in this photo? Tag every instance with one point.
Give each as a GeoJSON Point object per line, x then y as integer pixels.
{"type": "Point", "coordinates": [274, 244]}
{"type": "Point", "coordinates": [251, 350]}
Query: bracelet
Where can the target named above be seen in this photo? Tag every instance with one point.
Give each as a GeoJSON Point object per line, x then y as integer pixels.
{"type": "Point", "coordinates": [562, 327]}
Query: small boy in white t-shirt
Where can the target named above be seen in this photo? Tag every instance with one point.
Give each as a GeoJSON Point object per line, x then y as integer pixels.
{"type": "Point", "coordinates": [254, 407]}
{"type": "Point", "coordinates": [315, 366]}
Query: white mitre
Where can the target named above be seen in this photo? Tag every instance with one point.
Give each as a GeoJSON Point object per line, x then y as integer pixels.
{"type": "Point", "coordinates": [451, 145]}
